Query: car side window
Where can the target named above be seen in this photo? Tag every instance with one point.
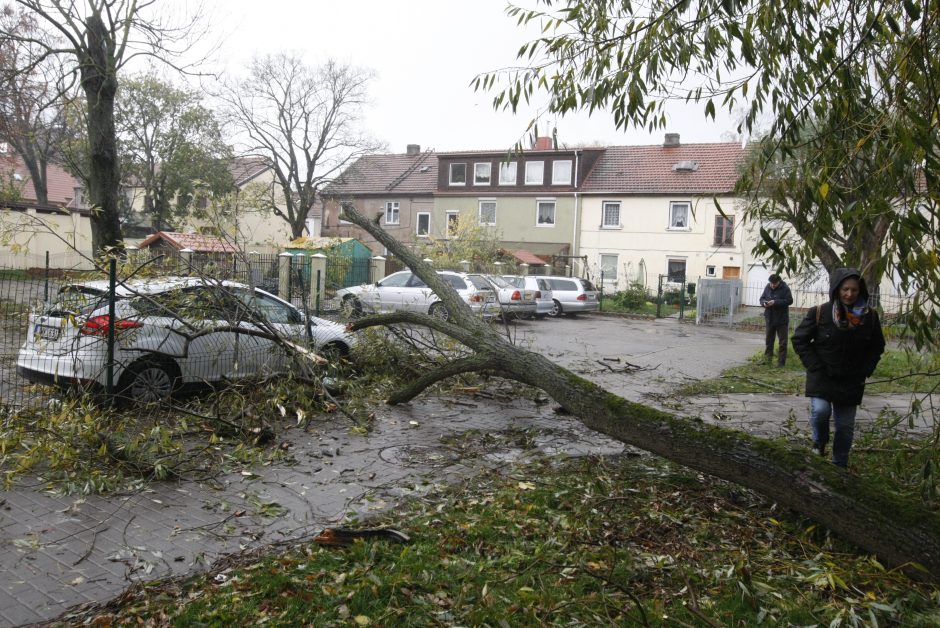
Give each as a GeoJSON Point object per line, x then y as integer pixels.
{"type": "Point", "coordinates": [542, 284]}
{"type": "Point", "coordinates": [417, 282]}
{"type": "Point", "coordinates": [269, 308]}
{"type": "Point", "coordinates": [398, 280]}
{"type": "Point", "coordinates": [562, 284]}
{"type": "Point", "coordinates": [587, 285]}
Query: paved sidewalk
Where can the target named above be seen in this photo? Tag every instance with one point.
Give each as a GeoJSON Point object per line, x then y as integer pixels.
{"type": "Point", "coordinates": [56, 552]}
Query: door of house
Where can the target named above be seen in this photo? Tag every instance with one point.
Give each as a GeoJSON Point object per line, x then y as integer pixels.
{"type": "Point", "coordinates": [730, 272]}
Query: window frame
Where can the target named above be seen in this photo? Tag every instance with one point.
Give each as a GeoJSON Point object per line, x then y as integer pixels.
{"type": "Point", "coordinates": [688, 216]}
{"type": "Point", "coordinates": [506, 167]}
{"type": "Point", "coordinates": [726, 225]}
{"type": "Point", "coordinates": [450, 173]}
{"type": "Point", "coordinates": [395, 208]}
{"type": "Point", "coordinates": [453, 220]}
{"type": "Point", "coordinates": [604, 223]}
{"type": "Point", "coordinates": [480, 203]}
{"type": "Point", "coordinates": [600, 263]}
{"type": "Point", "coordinates": [685, 268]}
{"type": "Point", "coordinates": [541, 166]}
{"type": "Point", "coordinates": [555, 164]}
{"type": "Point", "coordinates": [418, 217]}
{"type": "Point", "coordinates": [538, 206]}
{"type": "Point", "coordinates": [711, 271]}
{"type": "Point", "coordinates": [489, 173]}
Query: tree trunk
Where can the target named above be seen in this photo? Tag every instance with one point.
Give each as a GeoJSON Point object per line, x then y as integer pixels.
{"type": "Point", "coordinates": [900, 532]}
{"type": "Point", "coordinates": [99, 82]}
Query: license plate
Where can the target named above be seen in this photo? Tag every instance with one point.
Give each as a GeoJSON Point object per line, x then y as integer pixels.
{"type": "Point", "coordinates": [47, 332]}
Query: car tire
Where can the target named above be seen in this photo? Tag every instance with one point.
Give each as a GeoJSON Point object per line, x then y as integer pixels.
{"type": "Point", "coordinates": [351, 307]}
{"type": "Point", "coordinates": [438, 310]}
{"type": "Point", "coordinates": [556, 309]}
{"type": "Point", "coordinates": [148, 381]}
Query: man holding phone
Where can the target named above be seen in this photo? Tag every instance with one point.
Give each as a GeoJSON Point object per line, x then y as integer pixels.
{"type": "Point", "coordinates": [776, 300]}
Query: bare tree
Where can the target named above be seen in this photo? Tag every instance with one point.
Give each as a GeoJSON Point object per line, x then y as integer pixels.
{"type": "Point", "coordinates": [900, 532]}
{"type": "Point", "coordinates": [97, 38]}
{"type": "Point", "coordinates": [33, 94]}
{"type": "Point", "coordinates": [305, 120]}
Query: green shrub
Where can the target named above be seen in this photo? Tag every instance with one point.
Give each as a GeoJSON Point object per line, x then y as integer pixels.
{"type": "Point", "coordinates": [633, 298]}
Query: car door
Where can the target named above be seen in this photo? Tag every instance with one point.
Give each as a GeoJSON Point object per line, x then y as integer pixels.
{"type": "Point", "coordinates": [390, 293]}
{"type": "Point", "coordinates": [266, 314]}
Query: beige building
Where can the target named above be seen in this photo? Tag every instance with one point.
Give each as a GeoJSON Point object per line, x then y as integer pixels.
{"type": "Point", "coordinates": [651, 210]}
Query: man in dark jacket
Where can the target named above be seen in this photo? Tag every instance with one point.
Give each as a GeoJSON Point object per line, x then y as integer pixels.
{"type": "Point", "coordinates": [776, 300]}
{"type": "Point", "coordinates": [840, 344]}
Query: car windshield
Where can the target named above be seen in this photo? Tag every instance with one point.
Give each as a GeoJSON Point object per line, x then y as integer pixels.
{"type": "Point", "coordinates": [517, 282]}
{"type": "Point", "coordinates": [587, 285]}
{"type": "Point", "coordinates": [499, 282]}
{"type": "Point", "coordinates": [479, 282]}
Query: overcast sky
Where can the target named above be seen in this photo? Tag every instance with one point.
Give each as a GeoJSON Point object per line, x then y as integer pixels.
{"type": "Point", "coordinates": [424, 54]}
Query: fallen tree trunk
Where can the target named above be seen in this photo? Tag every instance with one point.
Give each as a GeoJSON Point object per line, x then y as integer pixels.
{"type": "Point", "coordinates": [900, 532]}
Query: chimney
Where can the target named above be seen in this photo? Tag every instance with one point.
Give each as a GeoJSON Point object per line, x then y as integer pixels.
{"type": "Point", "coordinates": [544, 143]}
{"type": "Point", "coordinates": [413, 149]}
{"type": "Point", "coordinates": [672, 140]}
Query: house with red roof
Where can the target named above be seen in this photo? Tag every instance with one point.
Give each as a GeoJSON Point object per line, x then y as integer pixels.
{"type": "Point", "coordinates": [648, 211]}
{"type": "Point", "coordinates": [28, 228]}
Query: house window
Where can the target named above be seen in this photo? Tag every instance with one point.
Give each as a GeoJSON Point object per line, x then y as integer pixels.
{"type": "Point", "coordinates": [481, 174]}
{"type": "Point", "coordinates": [534, 172]}
{"type": "Point", "coordinates": [391, 213]}
{"type": "Point", "coordinates": [611, 216]}
{"type": "Point", "coordinates": [424, 224]}
{"type": "Point", "coordinates": [545, 213]}
{"type": "Point", "coordinates": [680, 215]}
{"type": "Point", "coordinates": [675, 268]}
{"type": "Point", "coordinates": [488, 212]}
{"type": "Point", "coordinates": [561, 172]}
{"type": "Point", "coordinates": [458, 174]}
{"type": "Point", "coordinates": [453, 223]}
{"type": "Point", "coordinates": [609, 267]}
{"type": "Point", "coordinates": [507, 173]}
{"type": "Point", "coordinates": [710, 271]}
{"type": "Point", "coordinates": [724, 231]}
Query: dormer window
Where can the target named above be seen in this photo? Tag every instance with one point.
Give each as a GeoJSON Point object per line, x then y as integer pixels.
{"type": "Point", "coordinates": [507, 173]}
{"type": "Point", "coordinates": [481, 174]}
{"type": "Point", "coordinates": [458, 174]}
{"type": "Point", "coordinates": [561, 172]}
{"type": "Point", "coordinates": [534, 172]}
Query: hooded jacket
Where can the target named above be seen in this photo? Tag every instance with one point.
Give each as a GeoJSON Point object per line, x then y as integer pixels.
{"type": "Point", "coordinates": [837, 358]}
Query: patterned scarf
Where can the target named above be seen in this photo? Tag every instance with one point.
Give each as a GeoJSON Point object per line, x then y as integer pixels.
{"type": "Point", "coordinates": [853, 316]}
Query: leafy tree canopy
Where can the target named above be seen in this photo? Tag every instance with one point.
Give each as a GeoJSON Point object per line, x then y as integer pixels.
{"type": "Point", "coordinates": [848, 93]}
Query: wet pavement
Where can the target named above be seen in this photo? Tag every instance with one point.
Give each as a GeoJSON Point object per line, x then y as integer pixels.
{"type": "Point", "coordinates": [56, 552]}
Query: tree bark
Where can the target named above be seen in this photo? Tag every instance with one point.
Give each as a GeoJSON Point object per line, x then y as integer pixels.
{"type": "Point", "coordinates": [99, 82]}
{"type": "Point", "coordinates": [900, 532]}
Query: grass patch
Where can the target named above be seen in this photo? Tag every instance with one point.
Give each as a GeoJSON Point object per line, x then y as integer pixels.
{"type": "Point", "coordinates": [598, 541]}
{"type": "Point", "coordinates": [899, 371]}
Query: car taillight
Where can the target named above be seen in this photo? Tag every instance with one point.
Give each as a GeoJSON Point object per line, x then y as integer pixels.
{"type": "Point", "coordinates": [99, 325]}
{"type": "Point", "coordinates": [476, 298]}
{"type": "Point", "coordinates": [538, 294]}
{"type": "Point", "coordinates": [516, 296]}
{"type": "Point", "coordinates": [582, 297]}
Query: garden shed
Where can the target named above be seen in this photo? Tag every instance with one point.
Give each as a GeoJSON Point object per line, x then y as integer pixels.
{"type": "Point", "coordinates": [348, 260]}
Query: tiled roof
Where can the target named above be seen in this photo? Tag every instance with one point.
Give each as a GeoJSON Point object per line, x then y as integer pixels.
{"type": "Point", "coordinates": [60, 185]}
{"type": "Point", "coordinates": [649, 169]}
{"type": "Point", "coordinates": [387, 174]}
{"type": "Point", "coordinates": [193, 241]}
{"type": "Point", "coordinates": [527, 257]}
{"type": "Point", "coordinates": [244, 169]}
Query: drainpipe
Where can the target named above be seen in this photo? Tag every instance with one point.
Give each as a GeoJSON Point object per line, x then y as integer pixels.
{"type": "Point", "coordinates": [577, 207]}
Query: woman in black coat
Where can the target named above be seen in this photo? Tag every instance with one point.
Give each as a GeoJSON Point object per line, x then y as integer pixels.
{"type": "Point", "coordinates": [839, 343]}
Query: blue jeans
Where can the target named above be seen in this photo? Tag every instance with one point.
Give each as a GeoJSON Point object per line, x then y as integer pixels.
{"type": "Point", "coordinates": [844, 419]}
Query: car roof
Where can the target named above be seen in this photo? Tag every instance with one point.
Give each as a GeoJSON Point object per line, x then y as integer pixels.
{"type": "Point", "coordinates": [150, 286]}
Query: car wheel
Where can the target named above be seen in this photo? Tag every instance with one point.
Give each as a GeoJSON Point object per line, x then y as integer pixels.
{"type": "Point", "coordinates": [438, 310]}
{"type": "Point", "coordinates": [149, 381]}
{"type": "Point", "coordinates": [556, 309]}
{"type": "Point", "coordinates": [352, 307]}
{"type": "Point", "coordinates": [334, 351]}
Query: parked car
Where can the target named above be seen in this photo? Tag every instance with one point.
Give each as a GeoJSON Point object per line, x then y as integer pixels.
{"type": "Point", "coordinates": [540, 289]}
{"type": "Point", "coordinates": [513, 302]}
{"type": "Point", "coordinates": [572, 295]}
{"type": "Point", "coordinates": [168, 333]}
{"type": "Point", "coordinates": [405, 291]}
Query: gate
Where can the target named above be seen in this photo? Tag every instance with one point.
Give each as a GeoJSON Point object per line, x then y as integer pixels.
{"type": "Point", "coordinates": [719, 301]}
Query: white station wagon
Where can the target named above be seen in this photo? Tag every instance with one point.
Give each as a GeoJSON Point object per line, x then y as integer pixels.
{"type": "Point", "coordinates": [168, 332]}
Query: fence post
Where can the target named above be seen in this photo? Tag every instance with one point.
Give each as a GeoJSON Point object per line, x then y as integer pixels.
{"type": "Point", "coordinates": [317, 273]}
{"type": "Point", "coordinates": [465, 265]}
{"type": "Point", "coordinates": [659, 298]}
{"type": "Point", "coordinates": [378, 268]}
{"type": "Point", "coordinates": [283, 275]}
{"type": "Point", "coordinates": [186, 256]}
{"type": "Point", "coordinates": [567, 270]}
{"type": "Point", "coordinates": [499, 268]}
{"type": "Point", "coordinates": [109, 374]}
{"type": "Point", "coordinates": [45, 291]}
{"type": "Point", "coordinates": [253, 263]}
{"type": "Point", "coordinates": [698, 305]}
